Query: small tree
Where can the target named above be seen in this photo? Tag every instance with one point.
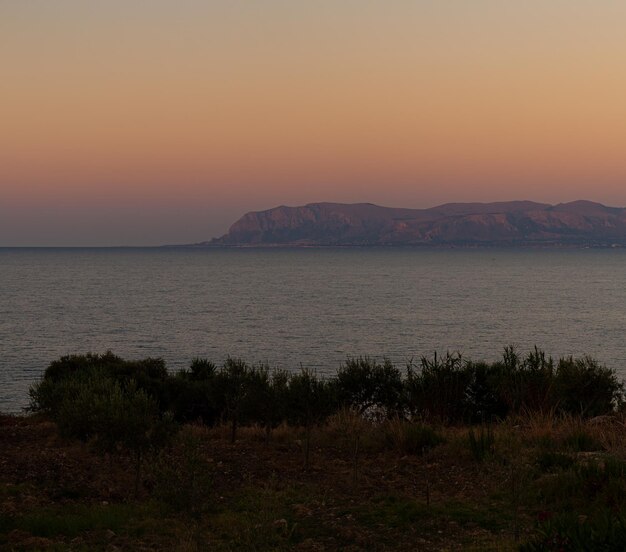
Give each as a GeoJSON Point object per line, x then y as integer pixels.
{"type": "Point", "coordinates": [230, 392]}
{"type": "Point", "coordinates": [129, 419]}
{"type": "Point", "coordinates": [438, 389]}
{"type": "Point", "coordinates": [191, 393]}
{"type": "Point", "coordinates": [110, 416]}
{"type": "Point", "coordinates": [584, 387]}
{"type": "Point", "coordinates": [268, 398]}
{"type": "Point", "coordinates": [311, 401]}
{"type": "Point", "coordinates": [363, 384]}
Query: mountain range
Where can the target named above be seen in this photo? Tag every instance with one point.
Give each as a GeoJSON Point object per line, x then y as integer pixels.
{"type": "Point", "coordinates": [465, 224]}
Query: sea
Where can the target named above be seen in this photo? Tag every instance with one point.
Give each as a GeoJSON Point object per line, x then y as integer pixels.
{"type": "Point", "coordinates": [304, 307]}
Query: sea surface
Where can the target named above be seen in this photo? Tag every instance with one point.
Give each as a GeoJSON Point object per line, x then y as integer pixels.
{"type": "Point", "coordinates": [304, 307]}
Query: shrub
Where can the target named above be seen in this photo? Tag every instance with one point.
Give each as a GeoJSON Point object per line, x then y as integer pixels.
{"type": "Point", "coordinates": [71, 365]}
{"type": "Point", "coordinates": [94, 407]}
{"type": "Point", "coordinates": [201, 369]}
{"type": "Point", "coordinates": [438, 390]}
{"type": "Point", "coordinates": [526, 385]}
{"type": "Point", "coordinates": [365, 385]}
{"type": "Point", "coordinates": [148, 374]}
{"type": "Point", "coordinates": [230, 392]}
{"type": "Point", "coordinates": [483, 399]}
{"type": "Point", "coordinates": [310, 401]}
{"type": "Point", "coordinates": [271, 403]}
{"type": "Point", "coordinates": [193, 400]}
{"type": "Point", "coordinates": [584, 387]}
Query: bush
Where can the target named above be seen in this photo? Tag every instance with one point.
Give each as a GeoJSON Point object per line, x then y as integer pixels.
{"type": "Point", "coordinates": [584, 387]}
{"type": "Point", "coordinates": [192, 400]}
{"type": "Point", "coordinates": [310, 402]}
{"type": "Point", "coordinates": [148, 374]}
{"type": "Point", "coordinates": [438, 390]}
{"type": "Point", "coordinates": [365, 385]}
{"type": "Point", "coordinates": [238, 391]}
{"type": "Point", "coordinates": [94, 407]}
{"type": "Point", "coordinates": [272, 400]}
{"type": "Point", "coordinates": [483, 397]}
{"type": "Point", "coordinates": [445, 389]}
{"type": "Point", "coordinates": [201, 369]}
{"type": "Point", "coordinates": [526, 385]}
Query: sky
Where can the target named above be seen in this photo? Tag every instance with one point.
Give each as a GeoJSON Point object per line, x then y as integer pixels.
{"type": "Point", "coordinates": [132, 122]}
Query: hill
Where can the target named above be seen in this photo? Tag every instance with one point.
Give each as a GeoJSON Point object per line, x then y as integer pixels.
{"type": "Point", "coordinates": [503, 223]}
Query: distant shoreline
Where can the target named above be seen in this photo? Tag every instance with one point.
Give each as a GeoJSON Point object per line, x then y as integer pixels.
{"type": "Point", "coordinates": [446, 246]}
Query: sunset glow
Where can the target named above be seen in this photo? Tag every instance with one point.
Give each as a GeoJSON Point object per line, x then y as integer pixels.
{"type": "Point", "coordinates": [173, 118]}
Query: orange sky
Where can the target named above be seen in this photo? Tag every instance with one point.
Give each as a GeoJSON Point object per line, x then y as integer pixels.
{"type": "Point", "coordinates": [170, 119]}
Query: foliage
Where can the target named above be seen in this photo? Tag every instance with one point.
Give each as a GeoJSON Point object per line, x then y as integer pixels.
{"type": "Point", "coordinates": [310, 402]}
{"type": "Point", "coordinates": [586, 388]}
{"type": "Point", "coordinates": [367, 386]}
{"type": "Point", "coordinates": [443, 389]}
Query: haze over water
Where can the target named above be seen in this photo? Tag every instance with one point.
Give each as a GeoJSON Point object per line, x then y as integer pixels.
{"type": "Point", "coordinates": [312, 307]}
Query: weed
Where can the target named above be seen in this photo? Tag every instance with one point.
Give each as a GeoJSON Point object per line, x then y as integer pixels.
{"type": "Point", "coordinates": [549, 461]}
{"type": "Point", "coordinates": [481, 445]}
{"type": "Point", "coordinates": [582, 441]}
{"type": "Point", "coordinates": [411, 437]}
{"type": "Point", "coordinates": [183, 479]}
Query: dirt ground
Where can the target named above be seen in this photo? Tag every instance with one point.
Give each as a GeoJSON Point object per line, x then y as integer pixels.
{"type": "Point", "coordinates": [60, 495]}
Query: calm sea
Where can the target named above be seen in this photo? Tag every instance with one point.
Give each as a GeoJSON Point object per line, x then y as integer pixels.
{"type": "Point", "coordinates": [310, 307]}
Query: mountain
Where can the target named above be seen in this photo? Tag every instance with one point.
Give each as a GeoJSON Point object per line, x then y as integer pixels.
{"type": "Point", "coordinates": [504, 223]}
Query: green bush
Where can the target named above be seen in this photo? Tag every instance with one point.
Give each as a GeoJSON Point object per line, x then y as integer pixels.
{"type": "Point", "coordinates": [483, 399]}
{"type": "Point", "coordinates": [586, 388]}
{"type": "Point", "coordinates": [438, 389]}
{"type": "Point", "coordinates": [272, 397]}
{"type": "Point", "coordinates": [444, 389]}
{"type": "Point", "coordinates": [237, 386]}
{"type": "Point", "coordinates": [310, 402]}
{"type": "Point", "coordinates": [365, 385]}
{"type": "Point", "coordinates": [113, 417]}
{"type": "Point", "coordinates": [526, 385]}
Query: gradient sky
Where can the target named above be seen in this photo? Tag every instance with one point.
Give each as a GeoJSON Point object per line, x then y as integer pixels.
{"type": "Point", "coordinates": [128, 122]}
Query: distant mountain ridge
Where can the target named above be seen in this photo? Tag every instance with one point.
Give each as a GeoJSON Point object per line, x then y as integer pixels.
{"type": "Point", "coordinates": [501, 223]}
